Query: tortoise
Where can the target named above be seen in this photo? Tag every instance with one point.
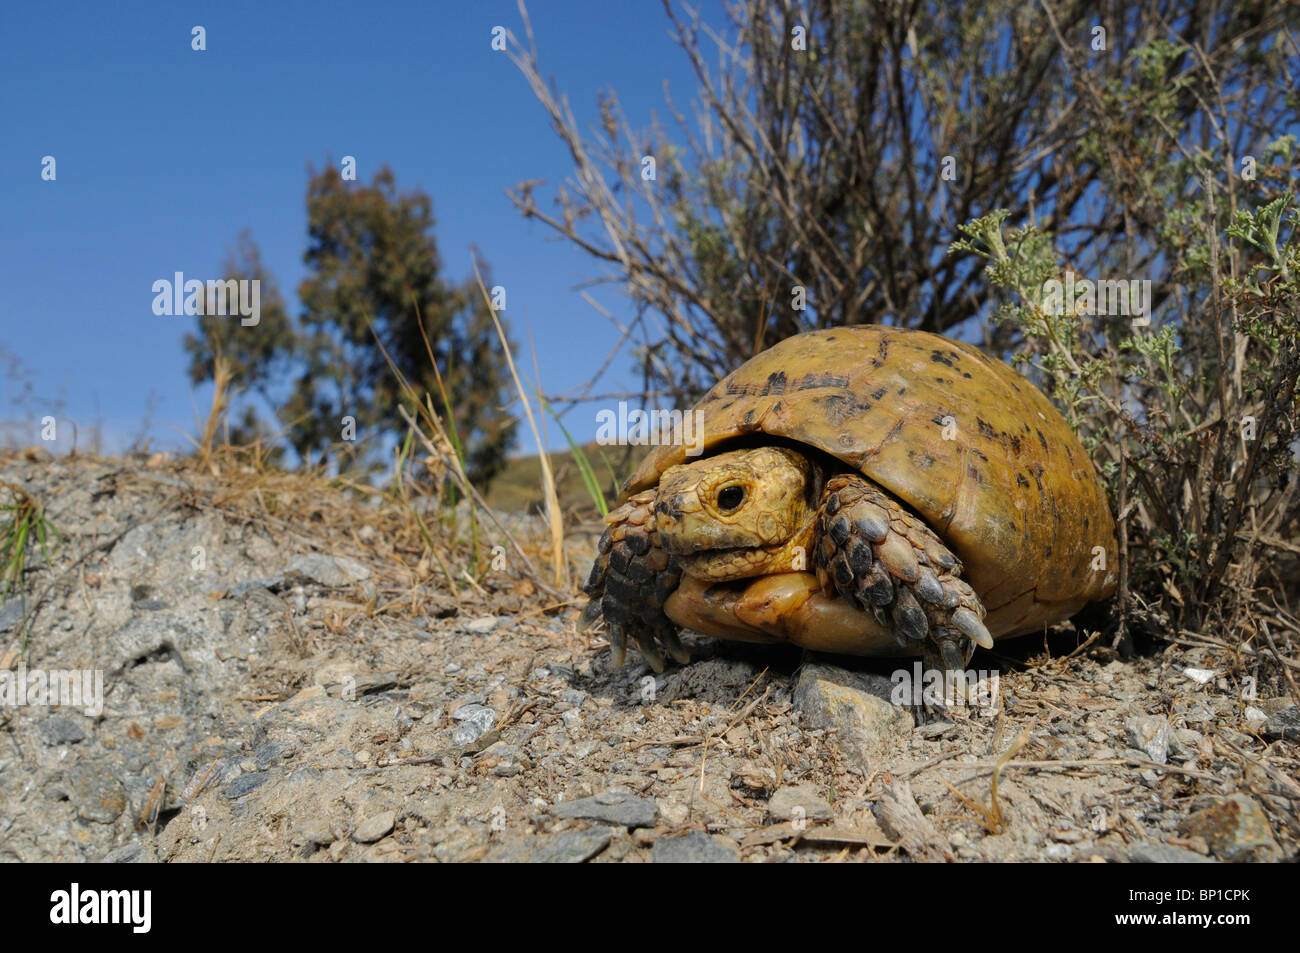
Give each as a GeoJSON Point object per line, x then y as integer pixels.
{"type": "Point", "coordinates": [866, 490]}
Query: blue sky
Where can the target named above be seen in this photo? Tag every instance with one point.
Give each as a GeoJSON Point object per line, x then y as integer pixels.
{"type": "Point", "coordinates": [164, 154]}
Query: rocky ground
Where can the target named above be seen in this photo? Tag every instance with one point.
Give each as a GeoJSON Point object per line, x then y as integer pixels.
{"type": "Point", "coordinates": [282, 682]}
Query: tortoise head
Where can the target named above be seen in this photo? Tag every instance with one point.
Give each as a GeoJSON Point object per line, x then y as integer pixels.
{"type": "Point", "coordinates": [739, 514]}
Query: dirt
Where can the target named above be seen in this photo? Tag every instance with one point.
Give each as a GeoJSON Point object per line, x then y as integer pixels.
{"type": "Point", "coordinates": [284, 680]}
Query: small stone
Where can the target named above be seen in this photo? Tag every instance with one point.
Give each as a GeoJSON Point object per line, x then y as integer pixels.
{"type": "Point", "coordinates": [1236, 830]}
{"type": "Point", "coordinates": [1284, 725]}
{"type": "Point", "coordinates": [621, 808]}
{"type": "Point", "coordinates": [481, 626]}
{"type": "Point", "coordinates": [574, 697]}
{"type": "Point", "coordinates": [316, 830]}
{"type": "Point", "coordinates": [374, 827]}
{"type": "Point", "coordinates": [475, 720]}
{"type": "Point", "coordinates": [1201, 676]}
{"type": "Point", "coordinates": [331, 571]}
{"type": "Point", "coordinates": [269, 753]}
{"type": "Point", "coordinates": [798, 801]}
{"type": "Point", "coordinates": [1150, 735]}
{"type": "Point", "coordinates": [572, 847]}
{"type": "Point", "coordinates": [98, 796]}
{"type": "Point", "coordinates": [137, 852]}
{"type": "Point", "coordinates": [857, 706]}
{"type": "Point", "coordinates": [696, 847]}
{"type": "Point", "coordinates": [1254, 714]}
{"type": "Point", "coordinates": [244, 784]}
{"type": "Point", "coordinates": [10, 613]}
{"type": "Point", "coordinates": [61, 730]}
{"type": "Point", "coordinates": [1148, 853]}
{"type": "Point", "coordinates": [1184, 744]}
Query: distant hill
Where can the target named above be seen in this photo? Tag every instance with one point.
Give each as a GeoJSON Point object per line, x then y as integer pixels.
{"type": "Point", "coordinates": [519, 487]}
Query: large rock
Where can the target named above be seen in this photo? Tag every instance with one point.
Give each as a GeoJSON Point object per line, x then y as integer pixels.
{"type": "Point", "coordinates": [621, 808]}
{"type": "Point", "coordinates": [1236, 830]}
{"type": "Point", "coordinates": [857, 706]}
{"type": "Point", "coordinates": [696, 847]}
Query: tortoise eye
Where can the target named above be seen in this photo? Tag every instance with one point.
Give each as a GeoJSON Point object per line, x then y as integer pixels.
{"type": "Point", "coordinates": [730, 497]}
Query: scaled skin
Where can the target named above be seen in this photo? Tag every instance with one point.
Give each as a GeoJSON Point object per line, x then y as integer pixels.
{"type": "Point", "coordinates": [740, 514]}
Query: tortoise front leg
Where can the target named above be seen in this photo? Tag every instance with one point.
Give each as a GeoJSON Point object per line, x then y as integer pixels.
{"type": "Point", "coordinates": [630, 580]}
{"type": "Point", "coordinates": [886, 561]}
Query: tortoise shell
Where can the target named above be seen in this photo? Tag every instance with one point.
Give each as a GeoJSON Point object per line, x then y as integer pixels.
{"type": "Point", "coordinates": [969, 445]}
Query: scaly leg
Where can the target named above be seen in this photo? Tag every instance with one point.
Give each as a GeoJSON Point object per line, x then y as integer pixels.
{"type": "Point", "coordinates": [630, 580]}
{"type": "Point", "coordinates": [889, 563]}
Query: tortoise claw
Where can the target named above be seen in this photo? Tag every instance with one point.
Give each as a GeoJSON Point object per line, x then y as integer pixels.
{"type": "Point", "coordinates": [590, 616]}
{"type": "Point", "coordinates": [630, 580]}
{"type": "Point", "coordinates": [969, 623]}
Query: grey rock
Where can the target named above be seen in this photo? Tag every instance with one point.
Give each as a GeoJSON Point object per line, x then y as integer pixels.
{"type": "Point", "coordinates": [696, 847]}
{"type": "Point", "coordinates": [857, 706]}
{"type": "Point", "coordinates": [137, 852]}
{"type": "Point", "coordinates": [10, 614]}
{"type": "Point", "coordinates": [1149, 734]}
{"type": "Point", "coordinates": [61, 730]}
{"type": "Point", "coordinates": [271, 752]}
{"type": "Point", "coordinates": [245, 783]}
{"type": "Point", "coordinates": [573, 847]}
{"type": "Point", "coordinates": [1284, 725]}
{"type": "Point", "coordinates": [799, 801]}
{"type": "Point", "coordinates": [375, 827]}
{"type": "Point", "coordinates": [98, 796]}
{"type": "Point", "coordinates": [612, 807]}
{"type": "Point", "coordinates": [1184, 744]}
{"type": "Point", "coordinates": [474, 720]}
{"type": "Point", "coordinates": [1236, 829]}
{"type": "Point", "coordinates": [331, 571]}
{"type": "Point", "coordinates": [1150, 853]}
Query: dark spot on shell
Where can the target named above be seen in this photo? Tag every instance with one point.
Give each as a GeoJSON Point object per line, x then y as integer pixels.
{"type": "Point", "coordinates": [1042, 439]}
{"type": "Point", "coordinates": [878, 393]}
{"type": "Point", "coordinates": [922, 461]}
{"type": "Point", "coordinates": [840, 531]}
{"type": "Point", "coordinates": [939, 358]}
{"type": "Point", "coordinates": [1020, 480]}
{"type": "Point", "coordinates": [814, 381]}
{"type": "Point", "coordinates": [985, 428]}
{"type": "Point", "coordinates": [1047, 552]}
{"type": "Point", "coordinates": [833, 504]}
{"type": "Point", "coordinates": [775, 384]}
{"type": "Point", "coordinates": [1015, 445]}
{"type": "Point", "coordinates": [966, 374]}
{"type": "Point", "coordinates": [978, 454]}
{"type": "Point", "coordinates": [975, 473]}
